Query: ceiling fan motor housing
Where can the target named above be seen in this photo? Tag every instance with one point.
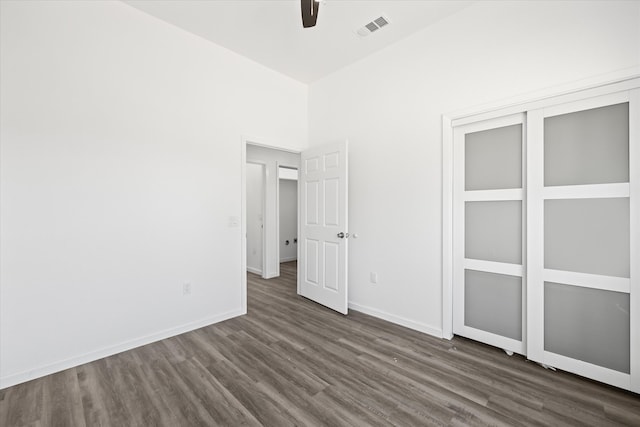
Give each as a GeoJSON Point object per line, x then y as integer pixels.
{"type": "Point", "coordinates": [309, 12]}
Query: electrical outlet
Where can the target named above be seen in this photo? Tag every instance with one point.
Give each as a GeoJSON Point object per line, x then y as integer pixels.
{"type": "Point", "coordinates": [373, 277]}
{"type": "Point", "coordinates": [186, 289]}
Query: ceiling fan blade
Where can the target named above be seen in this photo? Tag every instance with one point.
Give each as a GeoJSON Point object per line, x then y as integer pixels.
{"type": "Point", "coordinates": [309, 12]}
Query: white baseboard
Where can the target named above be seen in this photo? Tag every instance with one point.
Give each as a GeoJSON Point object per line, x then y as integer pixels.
{"type": "Point", "coordinates": [407, 323]}
{"type": "Point", "coordinates": [289, 258]}
{"type": "Point", "coordinates": [13, 379]}
{"type": "Point", "coordinates": [254, 270]}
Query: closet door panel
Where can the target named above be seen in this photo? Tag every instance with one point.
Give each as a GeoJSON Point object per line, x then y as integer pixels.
{"type": "Point", "coordinates": [494, 303]}
{"type": "Point", "coordinates": [587, 236]}
{"type": "Point", "coordinates": [587, 147]}
{"type": "Point", "coordinates": [493, 158]}
{"type": "Point", "coordinates": [488, 286]}
{"type": "Point", "coordinates": [493, 231]}
{"type": "Point", "coordinates": [581, 198]}
{"type": "Point", "coordinates": [591, 325]}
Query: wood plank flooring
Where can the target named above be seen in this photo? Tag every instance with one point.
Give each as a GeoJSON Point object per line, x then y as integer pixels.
{"type": "Point", "coordinates": [293, 362]}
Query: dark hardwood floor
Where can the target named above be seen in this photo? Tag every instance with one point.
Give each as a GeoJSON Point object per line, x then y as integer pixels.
{"type": "Point", "coordinates": [293, 362]}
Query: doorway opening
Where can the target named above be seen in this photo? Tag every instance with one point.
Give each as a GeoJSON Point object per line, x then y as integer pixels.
{"type": "Point", "coordinates": [288, 213]}
{"type": "Point", "coordinates": [323, 232]}
{"type": "Point", "coordinates": [288, 223]}
{"type": "Point", "coordinates": [271, 212]}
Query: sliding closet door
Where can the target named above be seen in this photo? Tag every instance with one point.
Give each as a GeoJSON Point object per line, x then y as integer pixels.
{"type": "Point", "coordinates": [488, 282]}
{"type": "Point", "coordinates": [583, 220]}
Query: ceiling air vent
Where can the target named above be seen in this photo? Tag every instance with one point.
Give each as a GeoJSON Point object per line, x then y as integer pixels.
{"type": "Point", "coordinates": [372, 26]}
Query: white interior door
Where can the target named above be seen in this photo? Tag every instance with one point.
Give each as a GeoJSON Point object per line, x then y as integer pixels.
{"type": "Point", "coordinates": [322, 265]}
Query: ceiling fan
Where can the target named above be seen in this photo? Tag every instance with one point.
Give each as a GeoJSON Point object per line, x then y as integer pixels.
{"type": "Point", "coordinates": [309, 12]}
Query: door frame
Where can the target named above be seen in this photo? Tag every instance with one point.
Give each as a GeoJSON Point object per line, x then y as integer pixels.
{"type": "Point", "coordinates": [263, 165]}
{"type": "Point", "coordinates": [260, 142]}
{"type": "Point", "coordinates": [286, 166]}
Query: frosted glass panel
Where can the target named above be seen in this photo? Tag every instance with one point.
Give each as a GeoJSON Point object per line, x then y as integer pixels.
{"type": "Point", "coordinates": [587, 236]}
{"type": "Point", "coordinates": [493, 303]}
{"type": "Point", "coordinates": [493, 231]}
{"type": "Point", "coordinates": [591, 325]}
{"type": "Point", "coordinates": [587, 147]}
{"type": "Point", "coordinates": [493, 159]}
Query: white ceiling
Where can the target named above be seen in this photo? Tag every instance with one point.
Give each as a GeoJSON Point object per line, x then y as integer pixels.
{"type": "Point", "coordinates": [270, 32]}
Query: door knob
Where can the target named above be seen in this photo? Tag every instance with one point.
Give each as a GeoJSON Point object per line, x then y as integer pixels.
{"type": "Point", "coordinates": [343, 235]}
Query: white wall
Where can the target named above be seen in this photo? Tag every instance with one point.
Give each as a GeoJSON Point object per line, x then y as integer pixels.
{"type": "Point", "coordinates": [272, 159]}
{"type": "Point", "coordinates": [255, 216]}
{"type": "Point", "coordinates": [121, 179]}
{"type": "Point", "coordinates": [288, 219]}
{"type": "Point", "coordinates": [389, 106]}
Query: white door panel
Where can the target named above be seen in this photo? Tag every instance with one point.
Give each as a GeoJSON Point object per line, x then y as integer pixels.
{"type": "Point", "coordinates": [322, 273]}
{"type": "Point", "coordinates": [488, 283]}
{"type": "Point", "coordinates": [581, 195]}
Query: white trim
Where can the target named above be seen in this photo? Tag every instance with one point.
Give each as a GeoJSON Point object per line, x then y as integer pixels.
{"type": "Point", "coordinates": [535, 235]}
{"type": "Point", "coordinates": [586, 369]}
{"type": "Point", "coordinates": [243, 224]}
{"type": "Point", "coordinates": [263, 142]}
{"type": "Point", "coordinates": [288, 259]}
{"type": "Point", "coordinates": [634, 232]}
{"type": "Point", "coordinates": [447, 228]}
{"type": "Point", "coordinates": [278, 217]}
{"type": "Point", "coordinates": [493, 267]}
{"type": "Point", "coordinates": [602, 85]}
{"type": "Point", "coordinates": [254, 271]}
{"type": "Point", "coordinates": [593, 191]}
{"type": "Point", "coordinates": [584, 280]}
{"type": "Point", "coordinates": [458, 225]}
{"type": "Point", "coordinates": [493, 195]}
{"type": "Point", "coordinates": [587, 104]}
{"type": "Point", "coordinates": [288, 170]}
{"type": "Point", "coordinates": [491, 123]}
{"type": "Point", "coordinates": [265, 177]}
{"type": "Point", "coordinates": [11, 380]}
{"type": "Point", "coordinates": [398, 320]}
{"type": "Point", "coordinates": [299, 250]}
{"type": "Point", "coordinates": [523, 300]}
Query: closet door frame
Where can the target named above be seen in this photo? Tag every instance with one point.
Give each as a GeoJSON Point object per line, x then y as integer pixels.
{"type": "Point", "coordinates": [528, 104]}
